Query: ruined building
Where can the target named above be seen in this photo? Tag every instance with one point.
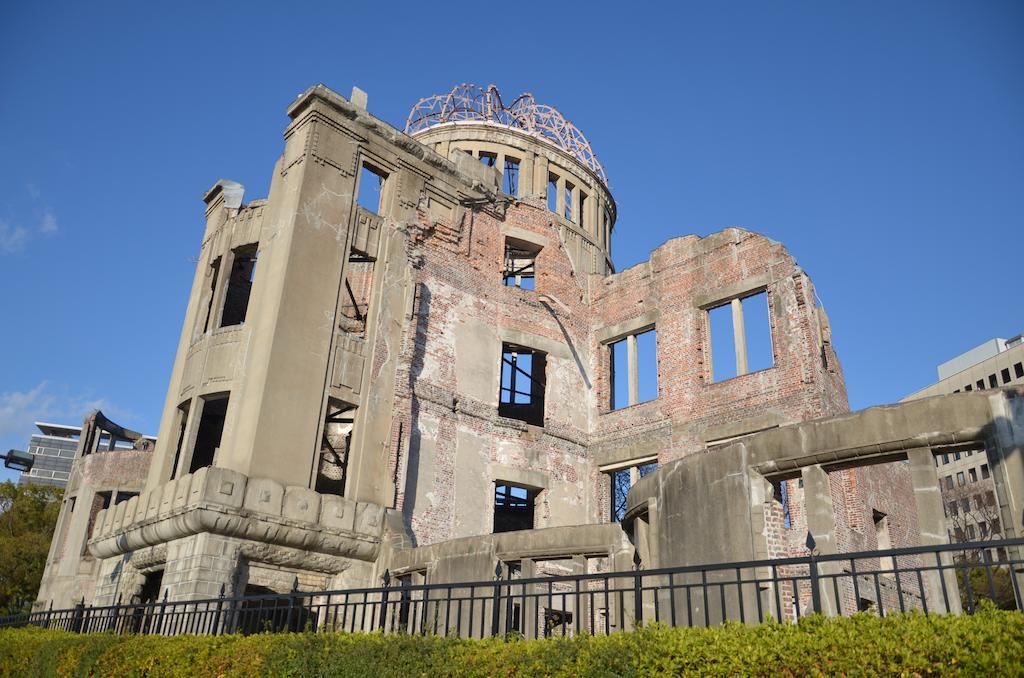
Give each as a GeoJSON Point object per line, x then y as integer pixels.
{"type": "Point", "coordinates": [416, 355]}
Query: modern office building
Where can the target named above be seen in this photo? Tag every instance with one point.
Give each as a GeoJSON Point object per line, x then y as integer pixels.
{"type": "Point", "coordinates": [995, 363]}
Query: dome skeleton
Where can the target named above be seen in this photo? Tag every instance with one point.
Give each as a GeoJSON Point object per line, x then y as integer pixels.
{"type": "Point", "coordinates": [468, 102]}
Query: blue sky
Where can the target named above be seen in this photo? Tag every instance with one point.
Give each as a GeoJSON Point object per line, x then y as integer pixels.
{"type": "Point", "coordinates": [882, 142]}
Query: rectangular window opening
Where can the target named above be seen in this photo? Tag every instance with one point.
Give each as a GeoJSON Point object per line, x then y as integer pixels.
{"type": "Point", "coordinates": [992, 382]}
{"type": "Point", "coordinates": [723, 346]}
{"type": "Point", "coordinates": [523, 384]}
{"type": "Point", "coordinates": [371, 188]}
{"type": "Point", "coordinates": [211, 426]}
{"type": "Point", "coordinates": [736, 351]}
{"type": "Point", "coordinates": [332, 471]}
{"type": "Point", "coordinates": [355, 295]}
{"type": "Point", "coordinates": [884, 541]}
{"type": "Point", "coordinates": [581, 219]}
{"type": "Point", "coordinates": [520, 264]}
{"type": "Point", "coordinates": [211, 293]}
{"type": "Point", "coordinates": [513, 507]}
{"type": "Point", "coordinates": [181, 420]}
{"type": "Point", "coordinates": [1018, 369]}
{"type": "Point", "coordinates": [620, 482]}
{"type": "Point", "coordinates": [553, 193]}
{"type": "Point", "coordinates": [567, 210]}
{"type": "Point", "coordinates": [1005, 374]}
{"type": "Point", "coordinates": [488, 159]}
{"type": "Point", "coordinates": [984, 471]}
{"type": "Point", "coordinates": [510, 179]}
{"type": "Point", "coordinates": [236, 302]}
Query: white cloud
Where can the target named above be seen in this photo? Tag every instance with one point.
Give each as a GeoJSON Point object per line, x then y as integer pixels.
{"type": "Point", "coordinates": [12, 238]}
{"type": "Point", "coordinates": [48, 224]}
{"type": "Point", "coordinates": [19, 410]}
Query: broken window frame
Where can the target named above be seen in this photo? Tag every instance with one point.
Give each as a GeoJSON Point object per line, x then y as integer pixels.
{"type": "Point", "coordinates": [553, 192]}
{"type": "Point", "coordinates": [512, 513]}
{"type": "Point", "coordinates": [632, 371]}
{"type": "Point", "coordinates": [181, 426]}
{"type": "Point", "coordinates": [487, 158]}
{"type": "Point", "coordinates": [338, 413]}
{"type": "Point", "coordinates": [210, 297]}
{"type": "Point", "coordinates": [739, 335]}
{"type": "Point", "coordinates": [239, 287]}
{"type": "Point", "coordinates": [510, 176]}
{"type": "Point", "coordinates": [531, 411]}
{"type": "Point", "coordinates": [352, 312]}
{"type": "Point", "coordinates": [520, 264]}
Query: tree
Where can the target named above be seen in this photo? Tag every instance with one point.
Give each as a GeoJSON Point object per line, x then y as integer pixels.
{"type": "Point", "coordinates": [28, 516]}
{"type": "Point", "coordinates": [973, 512]}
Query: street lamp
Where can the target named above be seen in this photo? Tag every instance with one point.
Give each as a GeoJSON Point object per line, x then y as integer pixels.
{"type": "Point", "coordinates": [18, 460]}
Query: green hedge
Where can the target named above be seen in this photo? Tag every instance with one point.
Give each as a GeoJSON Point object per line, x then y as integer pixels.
{"type": "Point", "coordinates": [989, 643]}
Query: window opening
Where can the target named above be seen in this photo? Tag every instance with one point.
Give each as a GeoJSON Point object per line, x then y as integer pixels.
{"type": "Point", "coordinates": [236, 302]}
{"type": "Point", "coordinates": [787, 515]}
{"type": "Point", "coordinates": [1005, 374]}
{"type": "Point", "coordinates": [980, 384]}
{"type": "Point", "coordinates": [488, 159]}
{"type": "Point", "coordinates": [968, 388]}
{"type": "Point", "coordinates": [567, 210]}
{"type": "Point", "coordinates": [634, 369]}
{"type": "Point", "coordinates": [553, 193]}
{"type": "Point", "coordinates": [741, 339]}
{"type": "Point", "coordinates": [513, 507]}
{"type": "Point", "coordinates": [520, 264]}
{"type": "Point", "coordinates": [973, 474]}
{"type": "Point", "coordinates": [511, 176]}
{"type": "Point", "coordinates": [371, 188]}
{"type": "Point", "coordinates": [122, 497]}
{"type": "Point", "coordinates": [582, 216]}
{"type": "Point", "coordinates": [992, 383]}
{"type": "Point", "coordinates": [522, 384]}
{"type": "Point", "coordinates": [182, 419]}
{"type": "Point", "coordinates": [211, 294]}
{"type": "Point", "coordinates": [884, 543]}
{"type": "Point", "coordinates": [211, 426]}
{"type": "Point", "coordinates": [335, 444]}
{"type": "Point", "coordinates": [1018, 369]}
{"type": "Point", "coordinates": [556, 619]}
{"type": "Point", "coordinates": [621, 481]}
{"type": "Point", "coordinates": [984, 471]}
{"type": "Point", "coordinates": [355, 295]}
{"type": "Point", "coordinates": [960, 478]}
{"type": "Point", "coordinates": [150, 592]}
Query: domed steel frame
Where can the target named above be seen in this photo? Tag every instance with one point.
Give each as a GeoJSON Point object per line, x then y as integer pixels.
{"type": "Point", "coordinates": [468, 102]}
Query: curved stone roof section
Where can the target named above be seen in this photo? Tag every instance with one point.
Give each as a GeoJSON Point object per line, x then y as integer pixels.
{"type": "Point", "coordinates": [472, 103]}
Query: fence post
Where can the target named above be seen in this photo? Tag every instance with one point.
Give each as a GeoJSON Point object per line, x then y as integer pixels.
{"type": "Point", "coordinates": [813, 565]}
{"type": "Point", "coordinates": [496, 601]}
{"type": "Point", "coordinates": [49, 614]}
{"type": "Point", "coordinates": [216, 616]}
{"type": "Point", "coordinates": [386, 581]}
{"type": "Point", "coordinates": [160, 619]}
{"type": "Point", "coordinates": [638, 592]}
{"type": "Point", "coordinates": [76, 619]}
{"type": "Point", "coordinates": [291, 603]}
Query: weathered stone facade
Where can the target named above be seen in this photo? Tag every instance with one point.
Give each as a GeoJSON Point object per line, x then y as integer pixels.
{"type": "Point", "coordinates": [344, 396]}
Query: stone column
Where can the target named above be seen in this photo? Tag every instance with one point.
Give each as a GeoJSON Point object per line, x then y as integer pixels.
{"type": "Point", "coordinates": [1005, 446]}
{"type": "Point", "coordinates": [739, 337]}
{"type": "Point", "coordinates": [940, 591]}
{"type": "Point", "coordinates": [821, 523]}
{"type": "Point", "coordinates": [527, 570]}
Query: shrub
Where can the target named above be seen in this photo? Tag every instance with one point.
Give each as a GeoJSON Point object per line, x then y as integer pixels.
{"type": "Point", "coordinates": [990, 642]}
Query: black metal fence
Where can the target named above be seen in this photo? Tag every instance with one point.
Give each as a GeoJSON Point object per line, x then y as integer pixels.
{"type": "Point", "coordinates": [945, 579]}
